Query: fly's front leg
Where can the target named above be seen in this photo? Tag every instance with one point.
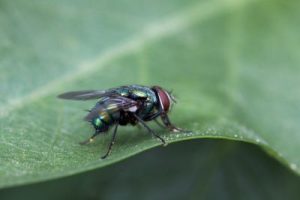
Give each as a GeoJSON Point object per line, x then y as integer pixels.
{"type": "Point", "coordinates": [150, 130]}
{"type": "Point", "coordinates": [159, 124]}
{"type": "Point", "coordinates": [165, 119]}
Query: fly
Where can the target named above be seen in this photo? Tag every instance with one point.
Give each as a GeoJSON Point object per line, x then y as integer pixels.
{"type": "Point", "coordinates": [133, 104]}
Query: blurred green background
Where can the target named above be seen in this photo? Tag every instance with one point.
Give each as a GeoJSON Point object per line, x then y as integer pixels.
{"type": "Point", "coordinates": [232, 64]}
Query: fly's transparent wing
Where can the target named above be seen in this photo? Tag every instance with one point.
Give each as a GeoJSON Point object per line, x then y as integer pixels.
{"type": "Point", "coordinates": [111, 105]}
{"type": "Point", "coordinates": [86, 94]}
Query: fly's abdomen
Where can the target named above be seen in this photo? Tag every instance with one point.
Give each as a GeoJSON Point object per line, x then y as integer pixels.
{"type": "Point", "coordinates": [104, 120]}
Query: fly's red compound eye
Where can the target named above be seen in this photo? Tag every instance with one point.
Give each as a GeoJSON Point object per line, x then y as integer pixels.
{"type": "Point", "coordinates": [164, 98]}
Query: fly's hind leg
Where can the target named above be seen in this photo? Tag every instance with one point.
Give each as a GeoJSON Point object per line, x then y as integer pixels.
{"type": "Point", "coordinates": [112, 142]}
{"type": "Point", "coordinates": [165, 119]}
{"type": "Point", "coordinates": [91, 139]}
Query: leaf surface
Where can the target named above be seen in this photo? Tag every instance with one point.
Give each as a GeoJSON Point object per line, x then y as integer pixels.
{"type": "Point", "coordinates": [233, 65]}
{"type": "Point", "coordinates": [207, 169]}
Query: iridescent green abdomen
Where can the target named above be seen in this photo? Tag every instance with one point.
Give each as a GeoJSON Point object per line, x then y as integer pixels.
{"type": "Point", "coordinates": [106, 117]}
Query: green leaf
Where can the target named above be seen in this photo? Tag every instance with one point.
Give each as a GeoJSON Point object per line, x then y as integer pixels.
{"type": "Point", "coordinates": [187, 170]}
{"type": "Point", "coordinates": [234, 66]}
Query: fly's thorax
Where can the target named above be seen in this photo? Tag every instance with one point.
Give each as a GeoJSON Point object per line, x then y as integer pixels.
{"type": "Point", "coordinates": [147, 98]}
{"type": "Point", "coordinates": [137, 92]}
{"type": "Point", "coordinates": [146, 109]}
{"type": "Point", "coordinates": [123, 91]}
{"type": "Point", "coordinates": [144, 95]}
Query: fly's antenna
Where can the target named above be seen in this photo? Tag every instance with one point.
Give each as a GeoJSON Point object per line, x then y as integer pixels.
{"type": "Point", "coordinates": [172, 96]}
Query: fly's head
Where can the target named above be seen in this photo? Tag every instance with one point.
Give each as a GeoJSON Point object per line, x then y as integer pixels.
{"type": "Point", "coordinates": [165, 98]}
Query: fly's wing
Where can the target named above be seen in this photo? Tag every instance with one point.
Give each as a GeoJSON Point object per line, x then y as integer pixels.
{"type": "Point", "coordinates": [86, 94]}
{"type": "Point", "coordinates": [112, 105]}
